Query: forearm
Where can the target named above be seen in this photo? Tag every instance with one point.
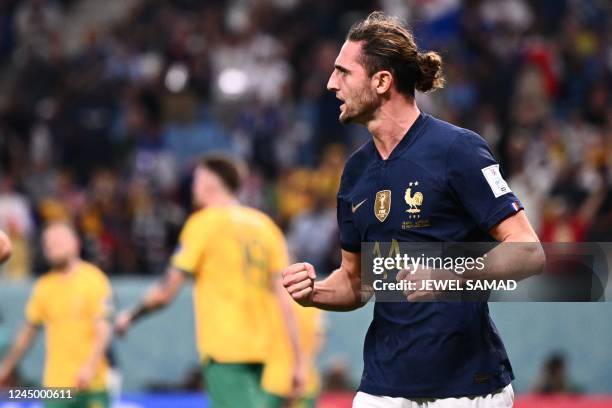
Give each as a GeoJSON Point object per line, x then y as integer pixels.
{"type": "Point", "coordinates": [510, 260]}
{"type": "Point", "coordinates": [12, 358]}
{"type": "Point", "coordinates": [21, 345]}
{"type": "Point", "coordinates": [160, 295]}
{"type": "Point", "coordinates": [289, 319]}
{"type": "Point", "coordinates": [152, 301]}
{"type": "Point", "coordinates": [339, 292]}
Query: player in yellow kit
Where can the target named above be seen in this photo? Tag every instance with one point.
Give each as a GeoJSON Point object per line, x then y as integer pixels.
{"type": "Point", "coordinates": [235, 254]}
{"type": "Point", "coordinates": [276, 379]}
{"type": "Point", "coordinates": [73, 303]}
{"type": "Point", "coordinates": [5, 247]}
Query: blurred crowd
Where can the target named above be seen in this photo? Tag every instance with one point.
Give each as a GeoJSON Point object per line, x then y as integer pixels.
{"type": "Point", "coordinates": [106, 134]}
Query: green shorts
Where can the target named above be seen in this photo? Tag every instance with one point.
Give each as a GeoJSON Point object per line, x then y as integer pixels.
{"type": "Point", "coordinates": [86, 399]}
{"type": "Point", "coordinates": [275, 401]}
{"type": "Point", "coordinates": [231, 385]}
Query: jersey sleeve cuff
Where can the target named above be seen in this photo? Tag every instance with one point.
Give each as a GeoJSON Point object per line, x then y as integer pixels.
{"type": "Point", "coordinates": [34, 322]}
{"type": "Point", "coordinates": [351, 247]}
{"type": "Point", "coordinates": [507, 209]}
{"type": "Point", "coordinates": [184, 270]}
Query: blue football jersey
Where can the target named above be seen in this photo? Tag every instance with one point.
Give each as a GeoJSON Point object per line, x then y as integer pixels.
{"type": "Point", "coordinates": [441, 183]}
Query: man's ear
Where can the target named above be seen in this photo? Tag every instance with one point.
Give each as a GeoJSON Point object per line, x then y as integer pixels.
{"type": "Point", "coordinates": [382, 81]}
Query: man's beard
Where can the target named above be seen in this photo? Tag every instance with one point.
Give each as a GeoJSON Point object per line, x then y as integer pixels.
{"type": "Point", "coordinates": [59, 264]}
{"type": "Point", "coordinates": [361, 108]}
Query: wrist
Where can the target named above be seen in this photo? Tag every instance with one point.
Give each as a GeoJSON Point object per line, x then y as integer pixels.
{"type": "Point", "coordinates": [314, 299]}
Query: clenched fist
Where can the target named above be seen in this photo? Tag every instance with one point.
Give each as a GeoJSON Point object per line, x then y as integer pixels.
{"type": "Point", "coordinates": [299, 280]}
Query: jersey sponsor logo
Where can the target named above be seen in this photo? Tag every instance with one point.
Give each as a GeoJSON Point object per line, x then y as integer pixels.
{"type": "Point", "coordinates": [497, 183]}
{"type": "Point", "coordinates": [355, 207]}
{"type": "Point", "coordinates": [382, 206]}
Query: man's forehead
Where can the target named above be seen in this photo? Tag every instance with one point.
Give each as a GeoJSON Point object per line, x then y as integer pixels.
{"type": "Point", "coordinates": [349, 54]}
{"type": "Point", "coordinates": [59, 229]}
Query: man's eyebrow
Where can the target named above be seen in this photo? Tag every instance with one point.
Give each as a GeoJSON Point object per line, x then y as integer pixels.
{"type": "Point", "coordinates": [341, 68]}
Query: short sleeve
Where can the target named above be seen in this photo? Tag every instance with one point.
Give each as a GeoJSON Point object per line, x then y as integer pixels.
{"type": "Point", "coordinates": [188, 251]}
{"type": "Point", "coordinates": [475, 179]}
{"type": "Point", "coordinates": [279, 258]}
{"type": "Point", "coordinates": [102, 298]}
{"type": "Point", "coordinates": [350, 238]}
{"type": "Point", "coordinates": [34, 310]}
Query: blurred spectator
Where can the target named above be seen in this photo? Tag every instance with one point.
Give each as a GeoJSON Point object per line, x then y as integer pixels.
{"type": "Point", "coordinates": [563, 222]}
{"type": "Point", "coordinates": [319, 222]}
{"type": "Point", "coordinates": [336, 377]}
{"type": "Point", "coordinates": [107, 133]}
{"type": "Point", "coordinates": [554, 378]}
{"type": "Point", "coordinates": [16, 221]}
{"type": "Point", "coordinates": [37, 23]}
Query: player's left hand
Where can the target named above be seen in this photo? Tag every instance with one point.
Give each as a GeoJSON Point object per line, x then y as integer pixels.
{"type": "Point", "coordinates": [423, 277]}
{"type": "Point", "coordinates": [85, 376]}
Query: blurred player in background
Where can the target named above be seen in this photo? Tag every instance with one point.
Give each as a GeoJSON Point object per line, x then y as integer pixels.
{"type": "Point", "coordinates": [5, 247]}
{"type": "Point", "coordinates": [235, 254]}
{"type": "Point", "coordinates": [277, 373]}
{"type": "Point", "coordinates": [5, 253]}
{"type": "Point", "coordinates": [73, 303]}
{"type": "Point", "coordinates": [418, 179]}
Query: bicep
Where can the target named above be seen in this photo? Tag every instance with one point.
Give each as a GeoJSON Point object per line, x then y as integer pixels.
{"type": "Point", "coordinates": [28, 333]}
{"type": "Point", "coordinates": [515, 228]}
{"type": "Point", "coordinates": [34, 310]}
{"type": "Point", "coordinates": [173, 281]}
{"type": "Point", "coordinates": [31, 329]}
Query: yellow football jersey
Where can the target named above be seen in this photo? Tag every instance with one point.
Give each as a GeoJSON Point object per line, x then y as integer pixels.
{"type": "Point", "coordinates": [276, 378]}
{"type": "Point", "coordinates": [68, 307]}
{"type": "Point", "coordinates": [233, 252]}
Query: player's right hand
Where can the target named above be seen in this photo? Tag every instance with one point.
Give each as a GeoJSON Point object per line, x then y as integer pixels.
{"type": "Point", "coordinates": [299, 280]}
{"type": "Point", "coordinates": [123, 322]}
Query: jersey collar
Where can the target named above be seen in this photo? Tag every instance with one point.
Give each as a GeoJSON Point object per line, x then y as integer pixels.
{"type": "Point", "coordinates": [407, 140]}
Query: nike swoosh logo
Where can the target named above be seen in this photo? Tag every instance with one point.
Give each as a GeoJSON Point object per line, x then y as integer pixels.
{"type": "Point", "coordinates": [355, 207]}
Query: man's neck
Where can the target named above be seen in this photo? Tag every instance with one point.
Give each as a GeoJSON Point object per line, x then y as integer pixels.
{"type": "Point", "coordinates": [70, 267]}
{"type": "Point", "coordinates": [223, 200]}
{"type": "Point", "coordinates": [391, 123]}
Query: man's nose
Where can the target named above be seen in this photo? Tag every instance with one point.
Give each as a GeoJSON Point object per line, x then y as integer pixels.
{"type": "Point", "coordinates": [332, 83]}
